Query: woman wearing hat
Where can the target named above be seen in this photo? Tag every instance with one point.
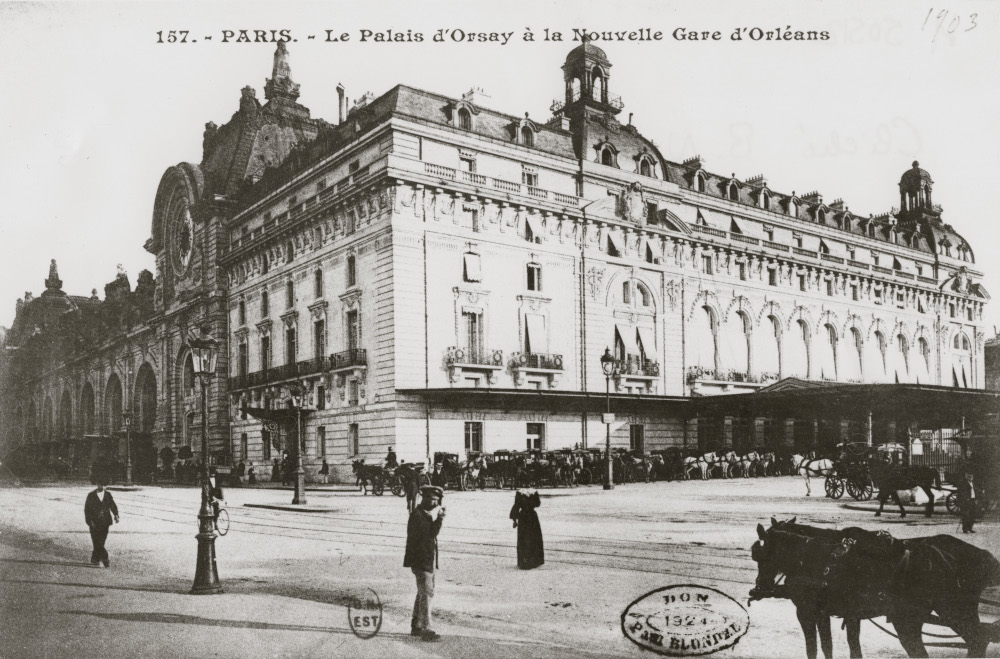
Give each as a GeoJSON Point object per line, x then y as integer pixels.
{"type": "Point", "coordinates": [421, 556]}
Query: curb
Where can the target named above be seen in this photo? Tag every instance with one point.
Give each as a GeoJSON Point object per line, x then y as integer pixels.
{"type": "Point", "coordinates": [293, 508]}
{"type": "Point", "coordinates": [910, 510]}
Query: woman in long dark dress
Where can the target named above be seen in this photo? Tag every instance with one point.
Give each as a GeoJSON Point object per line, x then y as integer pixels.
{"type": "Point", "coordinates": [530, 549]}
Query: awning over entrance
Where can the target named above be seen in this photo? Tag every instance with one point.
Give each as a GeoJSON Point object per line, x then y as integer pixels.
{"type": "Point", "coordinates": [553, 401]}
{"type": "Point", "coordinates": [931, 406]}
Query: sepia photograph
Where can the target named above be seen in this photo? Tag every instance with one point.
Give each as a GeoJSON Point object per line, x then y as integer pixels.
{"type": "Point", "coordinates": [464, 330]}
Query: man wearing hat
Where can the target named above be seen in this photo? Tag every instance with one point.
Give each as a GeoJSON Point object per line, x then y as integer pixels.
{"type": "Point", "coordinates": [99, 510]}
{"type": "Point", "coordinates": [421, 556]}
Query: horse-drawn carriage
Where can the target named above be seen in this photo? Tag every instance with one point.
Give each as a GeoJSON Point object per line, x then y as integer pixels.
{"type": "Point", "coordinates": [447, 471]}
{"type": "Point", "coordinates": [592, 465]}
{"type": "Point", "coordinates": [851, 473]}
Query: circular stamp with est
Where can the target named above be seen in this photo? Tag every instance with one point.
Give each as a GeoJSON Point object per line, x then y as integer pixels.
{"type": "Point", "coordinates": [685, 620]}
{"type": "Point", "coordinates": [364, 614]}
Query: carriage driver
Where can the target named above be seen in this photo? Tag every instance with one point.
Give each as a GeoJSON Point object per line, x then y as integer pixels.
{"type": "Point", "coordinates": [390, 459]}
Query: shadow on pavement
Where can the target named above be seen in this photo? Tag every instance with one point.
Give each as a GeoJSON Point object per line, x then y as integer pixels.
{"type": "Point", "coordinates": [182, 619]}
{"type": "Point", "coordinates": [169, 591]}
{"type": "Point", "coordinates": [85, 564]}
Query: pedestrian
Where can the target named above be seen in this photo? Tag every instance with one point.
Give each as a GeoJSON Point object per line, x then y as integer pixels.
{"type": "Point", "coordinates": [241, 470]}
{"type": "Point", "coordinates": [251, 475]}
{"type": "Point", "coordinates": [530, 548]}
{"type": "Point", "coordinates": [286, 469]}
{"type": "Point", "coordinates": [421, 557]}
{"type": "Point", "coordinates": [324, 472]}
{"type": "Point", "coordinates": [390, 459]}
{"type": "Point", "coordinates": [967, 502]}
{"type": "Point", "coordinates": [411, 483]}
{"type": "Point", "coordinates": [276, 471]}
{"type": "Point", "coordinates": [99, 510]}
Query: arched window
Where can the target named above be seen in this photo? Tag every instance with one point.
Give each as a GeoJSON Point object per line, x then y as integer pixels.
{"type": "Point", "coordinates": [189, 376]}
{"type": "Point", "coordinates": [598, 86]}
{"type": "Point", "coordinates": [699, 181]}
{"type": "Point", "coordinates": [574, 88]}
{"type": "Point", "coordinates": [607, 157]}
{"type": "Point", "coordinates": [965, 343]}
{"type": "Point", "coordinates": [527, 136]}
{"type": "Point", "coordinates": [765, 200]}
{"type": "Point", "coordinates": [734, 192]}
{"type": "Point", "coordinates": [880, 342]}
{"type": "Point", "coordinates": [829, 367]}
{"type": "Point", "coordinates": [797, 353]}
{"type": "Point", "coordinates": [464, 119]}
{"type": "Point", "coordinates": [626, 292]}
{"type": "Point", "coordinates": [767, 352]}
{"type": "Point", "coordinates": [853, 364]}
{"type": "Point", "coordinates": [645, 298]}
{"type": "Point", "coordinates": [289, 294]}
{"type": "Point", "coordinates": [793, 208]}
{"type": "Point", "coordinates": [645, 169]}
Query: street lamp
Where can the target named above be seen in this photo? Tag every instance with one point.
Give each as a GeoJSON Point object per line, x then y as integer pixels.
{"type": "Point", "coordinates": [204, 350]}
{"type": "Point", "coordinates": [127, 419]}
{"type": "Point", "coordinates": [610, 367]}
{"type": "Point", "coordinates": [295, 402]}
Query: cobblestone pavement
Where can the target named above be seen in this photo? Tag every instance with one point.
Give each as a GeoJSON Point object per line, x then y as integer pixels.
{"type": "Point", "coordinates": [289, 575]}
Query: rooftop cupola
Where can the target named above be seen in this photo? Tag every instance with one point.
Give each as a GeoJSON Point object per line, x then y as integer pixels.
{"type": "Point", "coordinates": [53, 285]}
{"type": "Point", "coordinates": [915, 201]}
{"type": "Point", "coordinates": [587, 72]}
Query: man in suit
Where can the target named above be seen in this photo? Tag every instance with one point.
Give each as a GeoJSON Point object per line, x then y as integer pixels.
{"type": "Point", "coordinates": [967, 502]}
{"type": "Point", "coordinates": [99, 511]}
{"type": "Point", "coordinates": [421, 557]}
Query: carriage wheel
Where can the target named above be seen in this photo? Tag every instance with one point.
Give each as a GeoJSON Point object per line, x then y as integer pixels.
{"type": "Point", "coordinates": [867, 491]}
{"type": "Point", "coordinates": [951, 503]}
{"type": "Point", "coordinates": [834, 487]}
{"type": "Point", "coordinates": [481, 482]}
{"type": "Point", "coordinates": [397, 486]}
{"type": "Point", "coordinates": [585, 478]}
{"type": "Point", "coordinates": [378, 487]}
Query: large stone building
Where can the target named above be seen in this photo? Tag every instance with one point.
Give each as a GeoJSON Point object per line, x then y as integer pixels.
{"type": "Point", "coordinates": [437, 276]}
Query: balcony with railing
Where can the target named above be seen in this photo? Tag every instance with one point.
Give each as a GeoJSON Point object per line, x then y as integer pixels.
{"type": "Point", "coordinates": [461, 359]}
{"type": "Point", "coordinates": [348, 359]}
{"type": "Point", "coordinates": [638, 367]}
{"type": "Point", "coordinates": [614, 100]}
{"type": "Point", "coordinates": [702, 375]}
{"type": "Point", "coordinates": [481, 180]}
{"type": "Point", "coordinates": [712, 231]}
{"type": "Point", "coordinates": [538, 361]}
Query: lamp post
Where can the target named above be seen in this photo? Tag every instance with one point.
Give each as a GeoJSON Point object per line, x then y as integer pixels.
{"type": "Point", "coordinates": [299, 498]}
{"type": "Point", "coordinates": [127, 420]}
{"type": "Point", "coordinates": [206, 576]}
{"type": "Point", "coordinates": [610, 367]}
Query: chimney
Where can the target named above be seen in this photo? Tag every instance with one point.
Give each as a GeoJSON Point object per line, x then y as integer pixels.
{"type": "Point", "coordinates": [341, 102]}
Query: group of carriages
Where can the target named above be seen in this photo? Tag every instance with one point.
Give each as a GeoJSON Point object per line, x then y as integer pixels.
{"type": "Point", "coordinates": [534, 468]}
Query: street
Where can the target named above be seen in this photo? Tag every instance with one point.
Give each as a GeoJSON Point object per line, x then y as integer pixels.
{"type": "Point", "coordinates": [289, 576]}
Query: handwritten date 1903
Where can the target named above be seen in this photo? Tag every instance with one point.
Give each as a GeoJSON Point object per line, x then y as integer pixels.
{"type": "Point", "coordinates": [949, 21]}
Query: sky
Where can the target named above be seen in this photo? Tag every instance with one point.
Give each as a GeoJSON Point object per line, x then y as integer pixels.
{"type": "Point", "coordinates": [93, 109]}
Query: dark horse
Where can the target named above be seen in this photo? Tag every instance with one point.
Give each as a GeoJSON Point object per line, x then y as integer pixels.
{"type": "Point", "coordinates": [856, 574]}
{"type": "Point", "coordinates": [373, 474]}
{"type": "Point", "coordinates": [889, 479]}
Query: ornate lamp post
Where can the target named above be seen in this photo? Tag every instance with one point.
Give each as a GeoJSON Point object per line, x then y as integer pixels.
{"type": "Point", "coordinates": [204, 351]}
{"type": "Point", "coordinates": [127, 420]}
{"type": "Point", "coordinates": [611, 369]}
{"type": "Point", "coordinates": [300, 473]}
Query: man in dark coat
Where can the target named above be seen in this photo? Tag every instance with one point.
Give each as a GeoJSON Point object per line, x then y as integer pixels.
{"type": "Point", "coordinates": [421, 557]}
{"type": "Point", "coordinates": [968, 499]}
{"type": "Point", "coordinates": [390, 459]}
{"type": "Point", "coordinates": [99, 511]}
{"type": "Point", "coordinates": [530, 549]}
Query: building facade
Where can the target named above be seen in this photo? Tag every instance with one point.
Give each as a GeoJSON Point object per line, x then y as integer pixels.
{"type": "Point", "coordinates": [434, 275]}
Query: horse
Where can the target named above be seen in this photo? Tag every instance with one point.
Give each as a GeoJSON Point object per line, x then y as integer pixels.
{"type": "Point", "coordinates": [367, 473]}
{"type": "Point", "coordinates": [726, 463]}
{"type": "Point", "coordinates": [808, 467]}
{"type": "Point", "coordinates": [746, 464]}
{"type": "Point", "coordinates": [856, 574]}
{"type": "Point", "coordinates": [889, 479]}
{"type": "Point", "coordinates": [472, 471]}
{"type": "Point", "coordinates": [704, 462]}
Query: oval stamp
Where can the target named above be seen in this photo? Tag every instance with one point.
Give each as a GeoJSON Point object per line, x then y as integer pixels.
{"type": "Point", "coordinates": [364, 615]}
{"type": "Point", "coordinates": [685, 620]}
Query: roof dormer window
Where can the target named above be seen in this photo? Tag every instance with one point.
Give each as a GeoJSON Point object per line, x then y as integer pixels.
{"type": "Point", "coordinates": [733, 192]}
{"type": "Point", "coordinates": [464, 119]}
{"type": "Point", "coordinates": [527, 136]}
{"type": "Point", "coordinates": [765, 200]}
{"type": "Point", "coordinates": [699, 182]}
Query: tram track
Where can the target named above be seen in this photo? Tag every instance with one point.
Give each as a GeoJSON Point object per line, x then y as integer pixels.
{"type": "Point", "coordinates": [663, 561]}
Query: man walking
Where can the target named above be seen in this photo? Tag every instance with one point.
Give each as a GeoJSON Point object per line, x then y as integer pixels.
{"type": "Point", "coordinates": [421, 557]}
{"type": "Point", "coordinates": [99, 510]}
{"type": "Point", "coordinates": [967, 502]}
